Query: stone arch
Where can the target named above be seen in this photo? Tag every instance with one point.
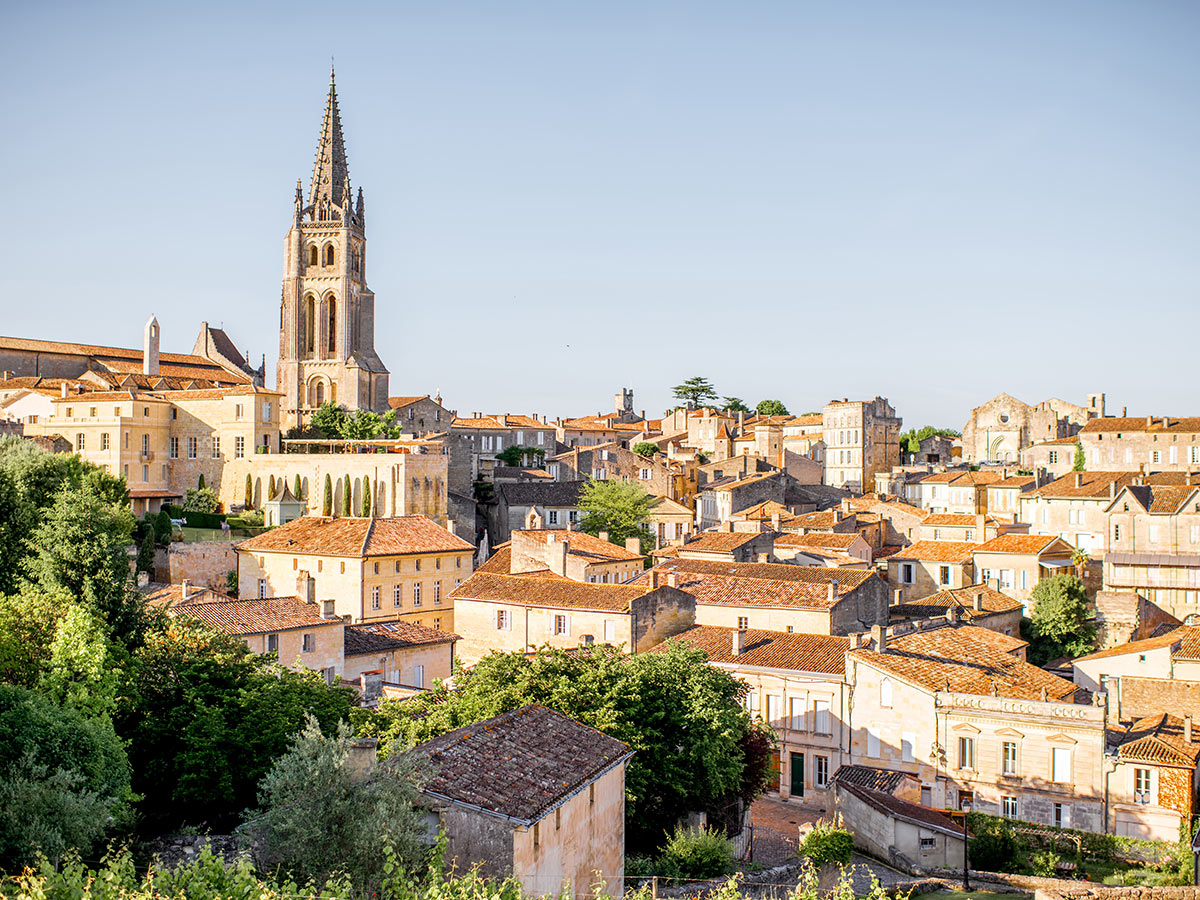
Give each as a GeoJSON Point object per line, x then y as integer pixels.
{"type": "Point", "coordinates": [330, 254]}
{"type": "Point", "coordinates": [331, 324]}
{"type": "Point", "coordinates": [308, 324]}
{"type": "Point", "coordinates": [313, 255]}
{"type": "Point", "coordinates": [356, 497]}
{"type": "Point", "coordinates": [258, 497]}
{"type": "Point", "coordinates": [317, 393]}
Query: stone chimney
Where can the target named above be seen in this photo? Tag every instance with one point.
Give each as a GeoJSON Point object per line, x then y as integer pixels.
{"type": "Point", "coordinates": [776, 521]}
{"type": "Point", "coordinates": [654, 573]}
{"type": "Point", "coordinates": [603, 535]}
{"type": "Point", "coordinates": [739, 641]}
{"type": "Point", "coordinates": [363, 757]}
{"type": "Point", "coordinates": [879, 638]}
{"type": "Point", "coordinates": [62, 390]}
{"type": "Point", "coordinates": [450, 525]}
{"type": "Point", "coordinates": [977, 600]}
{"type": "Point", "coordinates": [764, 557]}
{"type": "Point", "coordinates": [833, 591]}
{"type": "Point", "coordinates": [306, 587]}
{"type": "Point", "coordinates": [557, 557]}
{"type": "Point", "coordinates": [952, 615]}
{"type": "Point", "coordinates": [150, 348]}
{"type": "Point", "coordinates": [855, 640]}
{"type": "Point", "coordinates": [372, 685]}
{"type": "Point", "coordinates": [1149, 421]}
{"type": "Point", "coordinates": [1078, 479]}
{"type": "Point", "coordinates": [673, 579]}
{"type": "Point", "coordinates": [846, 506]}
{"type": "Point", "coordinates": [185, 589]}
{"type": "Point", "coordinates": [897, 596]}
{"type": "Point", "coordinates": [994, 584]}
{"type": "Point", "coordinates": [634, 545]}
{"type": "Point", "coordinates": [980, 528]}
{"type": "Point", "coordinates": [1187, 728]}
{"type": "Point", "coordinates": [329, 609]}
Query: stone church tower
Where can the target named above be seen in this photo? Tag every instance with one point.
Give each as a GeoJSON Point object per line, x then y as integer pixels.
{"type": "Point", "coordinates": [327, 312]}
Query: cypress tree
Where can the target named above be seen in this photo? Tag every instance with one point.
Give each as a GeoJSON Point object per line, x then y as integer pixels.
{"type": "Point", "coordinates": [297, 491]}
{"type": "Point", "coordinates": [366, 503]}
{"type": "Point", "coordinates": [327, 500]}
{"type": "Point", "coordinates": [249, 492]}
{"type": "Point", "coordinates": [145, 557]}
{"type": "Point", "coordinates": [200, 483]}
{"type": "Point", "coordinates": [347, 498]}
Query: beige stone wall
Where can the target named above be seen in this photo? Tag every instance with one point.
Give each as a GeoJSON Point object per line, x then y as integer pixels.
{"type": "Point", "coordinates": [927, 577]}
{"type": "Point", "coordinates": [327, 647]}
{"type": "Point", "coordinates": [1130, 451]}
{"type": "Point", "coordinates": [531, 627]}
{"type": "Point", "coordinates": [1169, 803]}
{"type": "Point", "coordinates": [203, 563]}
{"type": "Point", "coordinates": [579, 844]}
{"type": "Point", "coordinates": [436, 661]}
{"type": "Point", "coordinates": [350, 583]}
{"type": "Point", "coordinates": [768, 618]}
{"type": "Point", "coordinates": [1154, 663]}
{"type": "Point", "coordinates": [403, 484]}
{"type": "Point", "coordinates": [1134, 531]}
{"type": "Point", "coordinates": [1018, 573]}
{"type": "Point", "coordinates": [1081, 523]}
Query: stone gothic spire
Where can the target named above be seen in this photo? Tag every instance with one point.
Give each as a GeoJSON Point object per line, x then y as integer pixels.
{"type": "Point", "coordinates": [330, 173]}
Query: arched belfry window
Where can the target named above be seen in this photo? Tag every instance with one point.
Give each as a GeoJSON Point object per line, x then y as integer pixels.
{"type": "Point", "coordinates": [320, 398]}
{"type": "Point", "coordinates": [309, 325]}
{"type": "Point", "coordinates": [332, 325]}
{"type": "Point", "coordinates": [313, 258]}
{"type": "Point", "coordinates": [329, 254]}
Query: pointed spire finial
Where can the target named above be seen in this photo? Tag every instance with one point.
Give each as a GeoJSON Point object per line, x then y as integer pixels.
{"type": "Point", "coordinates": [330, 172]}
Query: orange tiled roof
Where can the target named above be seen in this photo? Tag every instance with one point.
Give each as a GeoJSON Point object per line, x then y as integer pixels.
{"type": "Point", "coordinates": [255, 616]}
{"type": "Point", "coordinates": [582, 544]}
{"type": "Point", "coordinates": [396, 634]}
{"type": "Point", "coordinates": [1183, 425]}
{"type": "Point", "coordinates": [164, 596]}
{"type": "Point", "coordinates": [1156, 739]}
{"type": "Point", "coordinates": [761, 584]}
{"type": "Point", "coordinates": [817, 539]}
{"type": "Point", "coordinates": [938, 551]}
{"type": "Point", "coordinates": [500, 562]}
{"type": "Point", "coordinates": [1095, 485]}
{"type": "Point", "coordinates": [1018, 543]}
{"type": "Point", "coordinates": [503, 420]}
{"type": "Point", "coordinates": [719, 541]}
{"type": "Point", "coordinates": [954, 520]}
{"type": "Point", "coordinates": [524, 590]}
{"type": "Point", "coordinates": [1162, 500]}
{"type": "Point", "coordinates": [355, 537]}
{"type": "Point", "coordinates": [770, 649]}
{"type": "Point", "coordinates": [1185, 633]}
{"type": "Point", "coordinates": [966, 660]}
{"type": "Point", "coordinates": [963, 598]}
{"type": "Point", "coordinates": [401, 402]}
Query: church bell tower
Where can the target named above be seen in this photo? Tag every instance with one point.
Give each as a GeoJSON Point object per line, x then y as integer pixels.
{"type": "Point", "coordinates": [327, 312]}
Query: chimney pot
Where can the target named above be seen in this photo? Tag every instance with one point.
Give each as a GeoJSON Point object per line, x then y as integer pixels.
{"type": "Point", "coordinates": [879, 637]}
{"type": "Point", "coordinates": [1187, 728]}
{"type": "Point", "coordinates": [1149, 421]}
{"type": "Point", "coordinates": [739, 641]}
{"type": "Point", "coordinates": [603, 535]}
{"type": "Point", "coordinates": [185, 589]}
{"type": "Point", "coordinates": [673, 579]}
{"type": "Point", "coordinates": [978, 601]}
{"type": "Point", "coordinates": [634, 545]}
{"type": "Point", "coordinates": [897, 596]}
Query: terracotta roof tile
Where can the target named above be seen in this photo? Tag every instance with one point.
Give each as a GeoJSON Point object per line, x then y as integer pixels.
{"type": "Point", "coordinates": [584, 545]}
{"type": "Point", "coordinates": [938, 551]}
{"type": "Point", "coordinates": [818, 539]}
{"type": "Point", "coordinates": [1156, 739]}
{"type": "Point", "coordinates": [355, 537]}
{"type": "Point", "coordinates": [1185, 425]}
{"type": "Point", "coordinates": [719, 541]}
{"type": "Point", "coordinates": [954, 520]}
{"type": "Point", "coordinates": [993, 603]}
{"type": "Point", "coordinates": [1084, 485]}
{"type": "Point", "coordinates": [1162, 500]}
{"type": "Point", "coordinates": [520, 764]}
{"type": "Point", "coordinates": [1018, 543]}
{"type": "Point", "coordinates": [769, 649]}
{"type": "Point", "coordinates": [242, 617]}
{"type": "Point", "coordinates": [383, 637]}
{"type": "Point", "coordinates": [1176, 635]}
{"type": "Point", "coordinates": [885, 780]}
{"type": "Point", "coordinates": [536, 590]}
{"type": "Point", "coordinates": [761, 584]}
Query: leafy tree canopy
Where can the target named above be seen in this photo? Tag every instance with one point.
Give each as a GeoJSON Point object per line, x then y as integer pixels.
{"type": "Point", "coordinates": [910, 441]}
{"type": "Point", "coordinates": [518, 456]}
{"type": "Point", "coordinates": [735, 405]}
{"type": "Point", "coordinates": [1061, 623]}
{"type": "Point", "coordinates": [771, 408]}
{"type": "Point", "coordinates": [646, 449]}
{"type": "Point", "coordinates": [697, 391]}
{"type": "Point", "coordinates": [1080, 463]}
{"type": "Point", "coordinates": [681, 716]}
{"type": "Point", "coordinates": [201, 500]}
{"type": "Point", "coordinates": [622, 508]}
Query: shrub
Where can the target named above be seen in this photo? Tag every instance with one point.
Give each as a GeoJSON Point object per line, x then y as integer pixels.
{"type": "Point", "coordinates": [1045, 863]}
{"type": "Point", "coordinates": [993, 846]}
{"type": "Point", "coordinates": [145, 556]}
{"type": "Point", "coordinates": [347, 496]}
{"type": "Point", "coordinates": [827, 843]}
{"type": "Point", "coordinates": [327, 499]}
{"type": "Point", "coordinates": [231, 582]}
{"type": "Point", "coordinates": [162, 526]}
{"type": "Point", "coordinates": [201, 500]}
{"type": "Point", "coordinates": [366, 497]}
{"type": "Point", "coordinates": [645, 448]}
{"type": "Point", "coordinates": [696, 853]}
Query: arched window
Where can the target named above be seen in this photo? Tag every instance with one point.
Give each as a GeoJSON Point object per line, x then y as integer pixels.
{"type": "Point", "coordinates": [329, 254]}
{"type": "Point", "coordinates": [332, 325]}
{"type": "Point", "coordinates": [313, 259]}
{"type": "Point", "coordinates": [885, 692]}
{"type": "Point", "coordinates": [320, 394]}
{"type": "Point", "coordinates": [309, 325]}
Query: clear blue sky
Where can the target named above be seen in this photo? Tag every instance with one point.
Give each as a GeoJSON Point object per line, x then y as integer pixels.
{"type": "Point", "coordinates": [930, 201]}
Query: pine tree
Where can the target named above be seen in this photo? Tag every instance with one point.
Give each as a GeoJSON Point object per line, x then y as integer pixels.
{"type": "Point", "coordinates": [327, 500]}
{"type": "Point", "coordinates": [366, 501]}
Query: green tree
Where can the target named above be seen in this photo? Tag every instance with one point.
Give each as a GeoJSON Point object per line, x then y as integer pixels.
{"type": "Point", "coordinates": [231, 582]}
{"type": "Point", "coordinates": [735, 405]}
{"type": "Point", "coordinates": [622, 508]}
{"type": "Point", "coordinates": [646, 449]}
{"type": "Point", "coordinates": [329, 420]}
{"type": "Point", "coordinates": [1080, 464]}
{"type": "Point", "coordinates": [200, 482]}
{"type": "Point", "coordinates": [249, 492]}
{"type": "Point", "coordinates": [364, 425]}
{"type": "Point", "coordinates": [81, 670]}
{"type": "Point", "coordinates": [63, 778]}
{"type": "Point", "coordinates": [682, 717]}
{"type": "Point", "coordinates": [16, 516]}
{"type": "Point", "coordinates": [771, 408]}
{"type": "Point", "coordinates": [80, 550]}
{"type": "Point", "coordinates": [347, 496]}
{"type": "Point", "coordinates": [28, 621]}
{"type": "Point", "coordinates": [1061, 623]}
{"type": "Point", "coordinates": [366, 498]}
{"type": "Point", "coordinates": [327, 498]}
{"type": "Point", "coordinates": [298, 488]}
{"type": "Point", "coordinates": [518, 456]}
{"type": "Point", "coordinates": [320, 816]}
{"type": "Point", "coordinates": [201, 500]}
{"type": "Point", "coordinates": [145, 556]}
{"type": "Point", "coordinates": [696, 391]}
{"type": "Point", "coordinates": [163, 527]}
{"type": "Point", "coordinates": [205, 718]}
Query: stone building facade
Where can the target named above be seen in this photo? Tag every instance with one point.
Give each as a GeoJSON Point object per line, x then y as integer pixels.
{"type": "Point", "coordinates": [1000, 429]}
{"type": "Point", "coordinates": [327, 312]}
{"type": "Point", "coordinates": [1146, 444]}
{"type": "Point", "coordinates": [862, 437]}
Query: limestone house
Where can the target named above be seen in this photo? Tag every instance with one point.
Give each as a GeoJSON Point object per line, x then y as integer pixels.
{"type": "Point", "coordinates": [1017, 562]}
{"type": "Point", "coordinates": [1004, 498]}
{"type": "Point", "coordinates": [1154, 782]}
{"type": "Point", "coordinates": [1124, 616]}
{"type": "Point", "coordinates": [727, 546]}
{"type": "Point", "coordinates": [926, 567]}
{"type": "Point", "coordinates": [401, 652]}
{"type": "Point", "coordinates": [796, 684]}
{"type": "Point", "coordinates": [574, 555]}
{"type": "Point", "coordinates": [1140, 678]}
{"type": "Point", "coordinates": [533, 795]}
{"type": "Point", "coordinates": [778, 597]}
{"type": "Point", "coordinates": [670, 521]}
{"type": "Point", "coordinates": [520, 613]}
{"type": "Point", "coordinates": [1153, 544]}
{"type": "Point", "coordinates": [555, 503]}
{"type": "Point", "coordinates": [958, 527]}
{"type": "Point", "coordinates": [420, 416]}
{"type": "Point", "coordinates": [1145, 443]}
{"type": "Point", "coordinates": [1074, 508]}
{"type": "Point", "coordinates": [957, 707]}
{"type": "Point", "coordinates": [474, 441]}
{"type": "Point", "coordinates": [899, 522]}
{"type": "Point", "coordinates": [301, 634]}
{"type": "Point", "coordinates": [719, 500]}
{"type": "Point", "coordinates": [906, 834]}
{"type": "Point", "coordinates": [862, 437]}
{"type": "Point", "coordinates": [1054, 457]}
{"type": "Point", "coordinates": [958, 491]}
{"type": "Point", "coordinates": [976, 604]}
{"type": "Point", "coordinates": [398, 568]}
{"type": "Point", "coordinates": [659, 475]}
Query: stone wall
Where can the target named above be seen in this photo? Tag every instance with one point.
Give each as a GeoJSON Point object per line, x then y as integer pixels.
{"type": "Point", "coordinates": [203, 563]}
{"type": "Point", "coordinates": [1147, 696]}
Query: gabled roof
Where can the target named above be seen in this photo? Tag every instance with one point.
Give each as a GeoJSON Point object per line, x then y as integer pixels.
{"type": "Point", "coordinates": [356, 537]}
{"type": "Point", "coordinates": [992, 601]}
{"type": "Point", "coordinates": [966, 659]}
{"type": "Point", "coordinates": [938, 551]}
{"type": "Point", "coordinates": [955, 520]}
{"type": "Point", "coordinates": [384, 637]}
{"type": "Point", "coordinates": [664, 506]}
{"type": "Point", "coordinates": [819, 539]}
{"type": "Point", "coordinates": [557, 592]}
{"type": "Point", "coordinates": [719, 541]}
{"type": "Point", "coordinates": [582, 544]}
{"type": "Point", "coordinates": [769, 649]}
{"type": "Point", "coordinates": [885, 780]}
{"type": "Point", "coordinates": [520, 764]}
{"type": "Point", "coordinates": [762, 584]}
{"type": "Point", "coordinates": [537, 493]}
{"type": "Point", "coordinates": [1155, 499]}
{"type": "Point", "coordinates": [1157, 739]}
{"type": "Point", "coordinates": [500, 421]}
{"type": "Point", "coordinates": [242, 617]}
{"type": "Point", "coordinates": [896, 808]}
{"type": "Point", "coordinates": [1034, 544]}
{"type": "Point", "coordinates": [1175, 636]}
{"type": "Point", "coordinates": [1084, 486]}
